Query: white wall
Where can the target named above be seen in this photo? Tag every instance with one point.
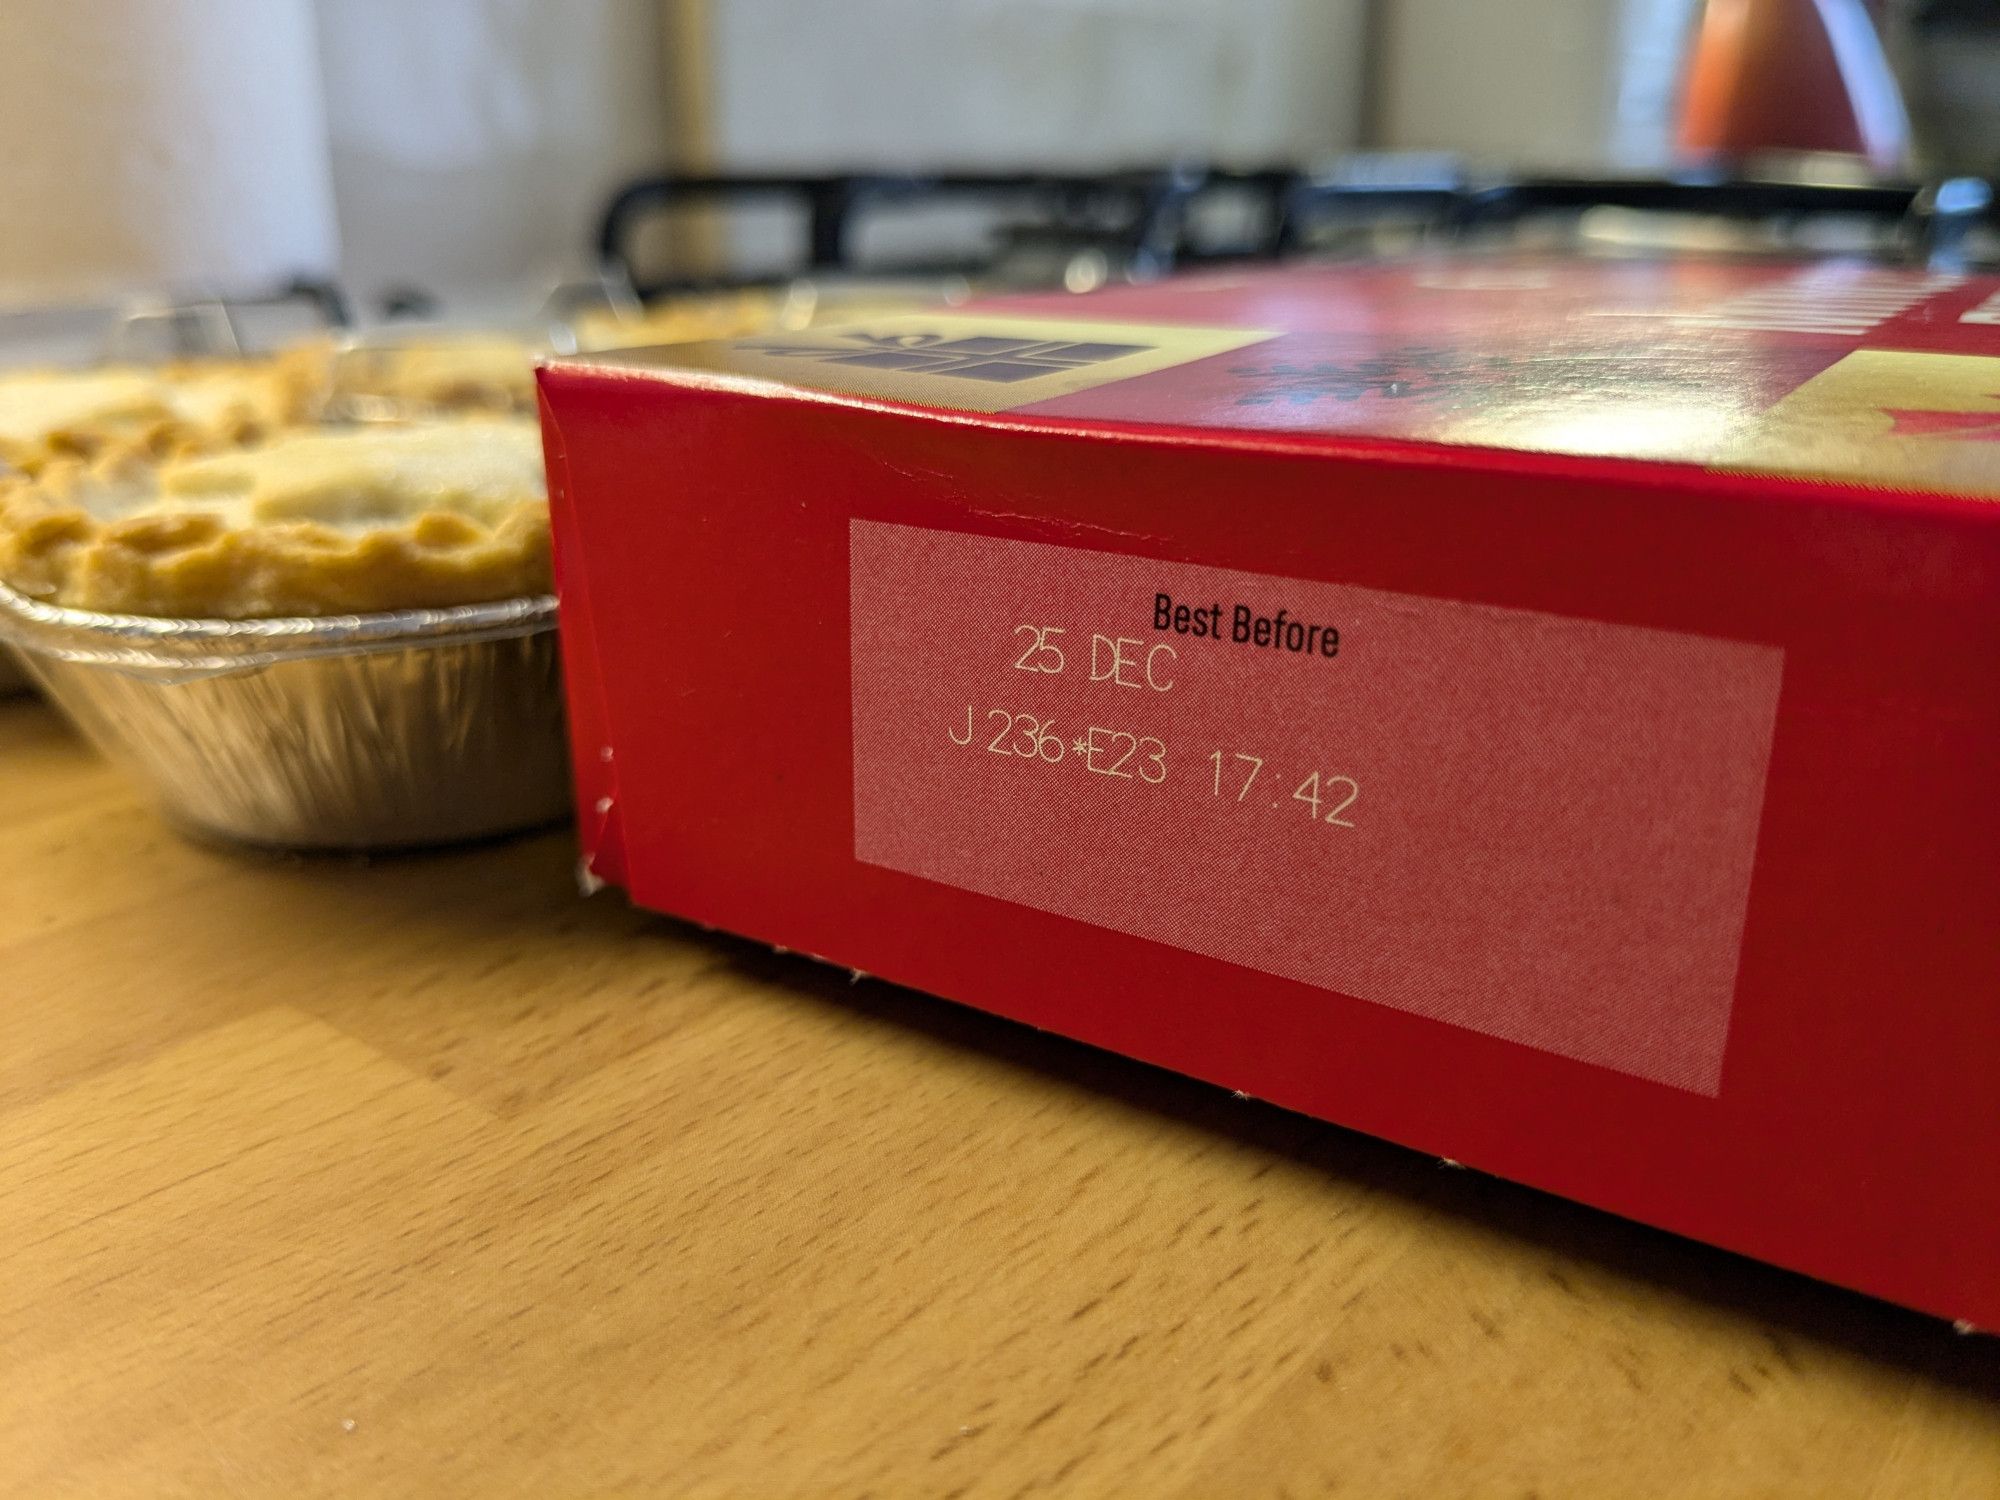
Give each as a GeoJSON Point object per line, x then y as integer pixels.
{"type": "Point", "coordinates": [886, 84]}
{"type": "Point", "coordinates": [474, 141]}
{"type": "Point", "coordinates": [1522, 82]}
{"type": "Point", "coordinates": [159, 144]}
{"type": "Point", "coordinates": [1549, 85]}
{"type": "Point", "coordinates": [813, 84]}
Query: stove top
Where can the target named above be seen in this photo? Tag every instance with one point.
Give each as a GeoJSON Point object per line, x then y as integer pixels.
{"type": "Point", "coordinates": [1081, 230]}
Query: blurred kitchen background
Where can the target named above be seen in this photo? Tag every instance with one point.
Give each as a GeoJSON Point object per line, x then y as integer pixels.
{"type": "Point", "coordinates": [414, 154]}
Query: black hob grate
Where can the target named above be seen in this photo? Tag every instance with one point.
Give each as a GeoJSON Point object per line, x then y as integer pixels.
{"type": "Point", "coordinates": [1043, 227]}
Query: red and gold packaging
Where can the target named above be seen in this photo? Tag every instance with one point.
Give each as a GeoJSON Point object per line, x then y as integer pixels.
{"type": "Point", "coordinates": [1540, 711]}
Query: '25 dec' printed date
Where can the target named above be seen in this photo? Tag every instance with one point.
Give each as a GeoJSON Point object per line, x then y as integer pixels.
{"type": "Point", "coordinates": [1235, 775]}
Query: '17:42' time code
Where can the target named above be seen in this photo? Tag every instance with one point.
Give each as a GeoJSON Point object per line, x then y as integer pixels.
{"type": "Point", "coordinates": [1143, 757]}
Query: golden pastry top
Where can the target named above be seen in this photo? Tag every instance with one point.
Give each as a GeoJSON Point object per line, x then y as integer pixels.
{"type": "Point", "coordinates": [682, 320]}
{"type": "Point", "coordinates": [50, 414]}
{"type": "Point", "coordinates": [314, 522]}
{"type": "Point", "coordinates": [355, 478]}
{"type": "Point", "coordinates": [450, 372]}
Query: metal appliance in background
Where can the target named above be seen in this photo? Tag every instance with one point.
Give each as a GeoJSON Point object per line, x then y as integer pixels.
{"type": "Point", "coordinates": [1794, 134]}
{"type": "Point", "coordinates": [1080, 232]}
{"type": "Point", "coordinates": [1074, 231]}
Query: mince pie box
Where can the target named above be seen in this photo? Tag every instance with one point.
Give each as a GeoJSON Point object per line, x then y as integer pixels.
{"type": "Point", "coordinates": [1538, 711]}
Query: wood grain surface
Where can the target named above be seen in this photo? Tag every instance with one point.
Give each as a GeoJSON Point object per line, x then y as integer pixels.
{"type": "Point", "coordinates": [426, 1177]}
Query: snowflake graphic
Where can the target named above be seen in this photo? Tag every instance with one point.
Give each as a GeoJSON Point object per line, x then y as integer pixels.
{"type": "Point", "coordinates": [1419, 374]}
{"type": "Point", "coordinates": [1435, 376]}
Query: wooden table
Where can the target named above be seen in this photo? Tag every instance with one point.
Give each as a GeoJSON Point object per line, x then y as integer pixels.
{"type": "Point", "coordinates": [426, 1177]}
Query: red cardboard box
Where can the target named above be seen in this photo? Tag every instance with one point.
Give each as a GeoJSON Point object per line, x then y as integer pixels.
{"type": "Point", "coordinates": [1539, 711]}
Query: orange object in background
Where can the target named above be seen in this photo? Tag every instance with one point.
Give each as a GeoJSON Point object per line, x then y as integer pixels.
{"type": "Point", "coordinates": [1791, 75]}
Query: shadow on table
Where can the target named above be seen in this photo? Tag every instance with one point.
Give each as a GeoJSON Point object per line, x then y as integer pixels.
{"type": "Point", "coordinates": [538, 875]}
{"type": "Point", "coordinates": [1785, 1303]}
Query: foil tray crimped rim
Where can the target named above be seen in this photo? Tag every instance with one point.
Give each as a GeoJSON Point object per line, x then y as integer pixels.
{"type": "Point", "coordinates": [162, 648]}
